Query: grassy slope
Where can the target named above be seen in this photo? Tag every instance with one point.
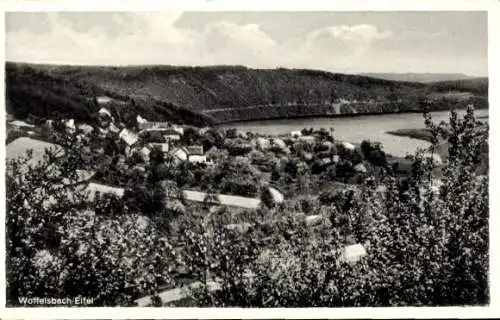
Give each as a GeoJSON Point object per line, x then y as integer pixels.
{"type": "Point", "coordinates": [232, 93]}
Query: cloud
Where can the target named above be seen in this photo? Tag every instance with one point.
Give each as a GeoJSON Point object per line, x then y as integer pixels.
{"type": "Point", "coordinates": [358, 36]}
{"type": "Point", "coordinates": [153, 38]}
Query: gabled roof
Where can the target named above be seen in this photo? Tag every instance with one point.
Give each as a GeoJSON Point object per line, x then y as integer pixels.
{"type": "Point", "coordinates": [93, 187]}
{"type": "Point", "coordinates": [105, 111]}
{"type": "Point", "coordinates": [128, 136]}
{"type": "Point", "coordinates": [170, 132]}
{"type": "Point", "coordinates": [141, 120]}
{"type": "Point", "coordinates": [20, 146]}
{"type": "Point", "coordinates": [194, 150]}
{"type": "Point", "coordinates": [19, 123]}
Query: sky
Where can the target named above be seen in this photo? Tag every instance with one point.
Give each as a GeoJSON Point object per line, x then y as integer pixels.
{"type": "Point", "coordinates": [350, 42]}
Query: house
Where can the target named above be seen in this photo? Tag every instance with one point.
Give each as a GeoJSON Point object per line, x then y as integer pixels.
{"type": "Point", "coordinates": [114, 128]}
{"type": "Point", "coordinates": [105, 112]}
{"type": "Point", "coordinates": [353, 253]}
{"type": "Point", "coordinates": [141, 120]}
{"type": "Point", "coordinates": [197, 158]}
{"type": "Point", "coordinates": [336, 159]}
{"type": "Point", "coordinates": [203, 131]}
{"type": "Point", "coordinates": [226, 200]}
{"type": "Point", "coordinates": [149, 125]}
{"type": "Point", "coordinates": [360, 168]}
{"type": "Point", "coordinates": [129, 137]}
{"type": "Point", "coordinates": [313, 220]}
{"type": "Point", "coordinates": [195, 154]}
{"type": "Point", "coordinates": [19, 123]}
{"type": "Point", "coordinates": [296, 134]}
{"type": "Point", "coordinates": [307, 139]}
{"type": "Point", "coordinates": [85, 128]}
{"type": "Point", "coordinates": [103, 132]}
{"type": "Point", "coordinates": [239, 227]}
{"type": "Point", "coordinates": [179, 154]}
{"type": "Point", "coordinates": [81, 176]}
{"type": "Point", "coordinates": [163, 147]}
{"type": "Point", "coordinates": [306, 156]}
{"type": "Point", "coordinates": [263, 143]}
{"type": "Point", "coordinates": [171, 135]}
{"type": "Point", "coordinates": [145, 151]}
{"type": "Point", "coordinates": [348, 146]}
{"type": "Point", "coordinates": [70, 125]}
{"type": "Point", "coordinates": [280, 145]}
{"type": "Point", "coordinates": [178, 129]}
{"type": "Point", "coordinates": [176, 294]}
{"type": "Point", "coordinates": [194, 150]}
{"type": "Point", "coordinates": [436, 158]}
{"type": "Point", "coordinates": [277, 196]}
{"type": "Point", "coordinates": [326, 161]}
{"type": "Point", "coordinates": [95, 189]}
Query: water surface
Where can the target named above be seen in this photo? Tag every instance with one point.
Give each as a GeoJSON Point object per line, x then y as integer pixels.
{"type": "Point", "coordinates": [357, 128]}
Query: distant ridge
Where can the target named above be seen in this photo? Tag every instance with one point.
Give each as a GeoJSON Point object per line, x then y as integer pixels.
{"type": "Point", "coordinates": [419, 77]}
{"type": "Point", "coordinates": [220, 94]}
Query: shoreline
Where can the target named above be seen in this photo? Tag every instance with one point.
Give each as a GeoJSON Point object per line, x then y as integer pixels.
{"type": "Point", "coordinates": [346, 115]}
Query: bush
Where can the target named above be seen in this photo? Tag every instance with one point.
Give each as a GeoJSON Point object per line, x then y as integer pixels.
{"type": "Point", "coordinates": [426, 245]}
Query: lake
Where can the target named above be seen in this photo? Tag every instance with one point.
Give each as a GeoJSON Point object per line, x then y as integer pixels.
{"type": "Point", "coordinates": [357, 128]}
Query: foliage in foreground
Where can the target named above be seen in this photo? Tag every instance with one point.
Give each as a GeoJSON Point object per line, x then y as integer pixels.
{"type": "Point", "coordinates": [427, 244]}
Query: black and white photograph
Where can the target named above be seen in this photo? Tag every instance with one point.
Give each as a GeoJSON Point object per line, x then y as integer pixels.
{"type": "Point", "coordinates": [250, 159]}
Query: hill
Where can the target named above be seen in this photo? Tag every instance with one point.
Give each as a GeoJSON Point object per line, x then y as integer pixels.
{"type": "Point", "coordinates": [218, 94]}
{"type": "Point", "coordinates": [418, 77]}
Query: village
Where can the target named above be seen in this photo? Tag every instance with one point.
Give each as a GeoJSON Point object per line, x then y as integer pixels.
{"type": "Point", "coordinates": [271, 163]}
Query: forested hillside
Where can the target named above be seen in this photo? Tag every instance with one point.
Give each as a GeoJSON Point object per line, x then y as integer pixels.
{"type": "Point", "coordinates": [204, 95]}
{"type": "Point", "coordinates": [419, 77]}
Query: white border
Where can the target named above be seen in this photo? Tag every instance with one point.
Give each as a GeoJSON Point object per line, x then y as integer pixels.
{"type": "Point", "coordinates": [290, 5]}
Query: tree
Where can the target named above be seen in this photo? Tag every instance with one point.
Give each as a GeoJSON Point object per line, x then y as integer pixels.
{"type": "Point", "coordinates": [57, 247]}
{"type": "Point", "coordinates": [426, 245]}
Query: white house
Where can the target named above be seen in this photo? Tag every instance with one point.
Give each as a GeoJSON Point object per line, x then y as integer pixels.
{"type": "Point", "coordinates": [308, 139]}
{"type": "Point", "coordinates": [277, 196]}
{"type": "Point", "coordinates": [85, 128]}
{"type": "Point", "coordinates": [103, 131]}
{"type": "Point", "coordinates": [296, 134]}
{"type": "Point", "coordinates": [70, 125]}
{"type": "Point", "coordinates": [178, 129]}
{"type": "Point", "coordinates": [279, 143]}
{"type": "Point", "coordinates": [129, 137]}
{"type": "Point", "coordinates": [94, 188]}
{"type": "Point", "coordinates": [353, 253]}
{"type": "Point", "coordinates": [203, 130]}
{"type": "Point", "coordinates": [360, 168]}
{"type": "Point", "coordinates": [240, 227]}
{"type": "Point", "coordinates": [19, 123]}
{"type": "Point", "coordinates": [197, 158]}
{"type": "Point", "coordinates": [163, 147]}
{"type": "Point", "coordinates": [104, 111]}
{"type": "Point", "coordinates": [145, 153]}
{"type": "Point", "coordinates": [313, 220]}
{"type": "Point", "coordinates": [114, 128]}
{"type": "Point", "coordinates": [141, 119]}
{"type": "Point", "coordinates": [436, 158]}
{"type": "Point", "coordinates": [179, 154]}
{"type": "Point", "coordinates": [263, 143]}
{"type": "Point", "coordinates": [171, 135]}
{"type": "Point", "coordinates": [348, 146]}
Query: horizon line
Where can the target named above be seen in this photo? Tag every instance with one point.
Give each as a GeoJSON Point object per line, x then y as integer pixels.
{"type": "Point", "coordinates": [83, 65]}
